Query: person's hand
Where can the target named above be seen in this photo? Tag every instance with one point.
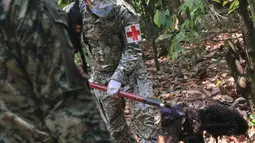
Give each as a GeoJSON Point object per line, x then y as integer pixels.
{"type": "Point", "coordinates": [113, 87]}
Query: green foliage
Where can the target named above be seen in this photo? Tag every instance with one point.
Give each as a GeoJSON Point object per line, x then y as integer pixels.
{"type": "Point", "coordinates": [252, 120]}
{"type": "Point", "coordinates": [163, 37]}
{"type": "Point", "coordinates": [192, 12]}
{"type": "Point", "coordinates": [218, 1]}
{"type": "Point", "coordinates": [233, 6]}
{"type": "Point", "coordinates": [179, 32]}
{"type": "Point", "coordinates": [147, 2]}
{"type": "Point", "coordinates": [176, 49]}
{"type": "Point", "coordinates": [194, 55]}
{"type": "Point", "coordinates": [78, 59]}
{"type": "Point", "coordinates": [63, 3]}
{"type": "Point", "coordinates": [162, 18]}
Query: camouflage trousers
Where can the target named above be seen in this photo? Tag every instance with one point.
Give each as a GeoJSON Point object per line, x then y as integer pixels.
{"type": "Point", "coordinates": [75, 120]}
{"type": "Point", "coordinates": [112, 110]}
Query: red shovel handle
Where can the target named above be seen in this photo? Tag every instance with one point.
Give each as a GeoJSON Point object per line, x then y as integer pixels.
{"type": "Point", "coordinates": [145, 100]}
{"type": "Point", "coordinates": [121, 93]}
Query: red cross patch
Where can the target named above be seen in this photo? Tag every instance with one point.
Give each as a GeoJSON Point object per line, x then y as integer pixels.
{"type": "Point", "coordinates": [133, 33]}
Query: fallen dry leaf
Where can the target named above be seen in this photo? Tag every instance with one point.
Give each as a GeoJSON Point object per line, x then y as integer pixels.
{"type": "Point", "coordinates": [183, 78]}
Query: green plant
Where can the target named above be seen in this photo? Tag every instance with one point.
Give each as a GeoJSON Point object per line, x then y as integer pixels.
{"type": "Point", "coordinates": [63, 3]}
{"type": "Point", "coordinates": [252, 120]}
{"type": "Point", "coordinates": [233, 4]}
{"type": "Point", "coordinates": [193, 10]}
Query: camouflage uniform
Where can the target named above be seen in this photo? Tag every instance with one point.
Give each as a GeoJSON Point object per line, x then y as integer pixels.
{"type": "Point", "coordinates": [42, 96]}
{"type": "Point", "coordinates": [113, 56]}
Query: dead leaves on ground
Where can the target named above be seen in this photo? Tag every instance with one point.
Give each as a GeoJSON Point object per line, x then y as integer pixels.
{"type": "Point", "coordinates": [183, 77]}
{"type": "Point", "coordinates": [209, 76]}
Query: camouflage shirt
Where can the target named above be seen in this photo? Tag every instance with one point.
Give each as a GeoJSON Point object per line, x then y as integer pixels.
{"type": "Point", "coordinates": [25, 35]}
{"type": "Point", "coordinates": [112, 44]}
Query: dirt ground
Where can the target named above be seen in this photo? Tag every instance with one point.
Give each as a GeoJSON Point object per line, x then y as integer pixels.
{"type": "Point", "coordinates": [209, 75]}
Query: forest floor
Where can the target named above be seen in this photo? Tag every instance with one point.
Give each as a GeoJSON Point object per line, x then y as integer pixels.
{"type": "Point", "coordinates": [209, 75]}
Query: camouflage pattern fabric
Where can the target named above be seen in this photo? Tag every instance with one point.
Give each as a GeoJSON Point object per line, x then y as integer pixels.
{"type": "Point", "coordinates": [42, 96]}
{"type": "Point", "coordinates": [112, 56]}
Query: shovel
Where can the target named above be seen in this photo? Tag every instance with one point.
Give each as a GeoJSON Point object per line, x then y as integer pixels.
{"type": "Point", "coordinates": [172, 111]}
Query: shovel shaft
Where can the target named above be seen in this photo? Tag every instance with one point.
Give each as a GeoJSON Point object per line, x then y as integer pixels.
{"type": "Point", "coordinates": [121, 93]}
{"type": "Point", "coordinates": [130, 96]}
{"type": "Point", "coordinates": [175, 112]}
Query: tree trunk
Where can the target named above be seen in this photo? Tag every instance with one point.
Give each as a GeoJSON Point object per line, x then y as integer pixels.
{"type": "Point", "coordinates": [252, 7]}
{"type": "Point", "coordinates": [172, 6]}
{"type": "Point", "coordinates": [175, 4]}
{"type": "Point", "coordinates": [244, 75]}
{"type": "Point", "coordinates": [149, 15]}
{"type": "Point", "coordinates": [249, 37]}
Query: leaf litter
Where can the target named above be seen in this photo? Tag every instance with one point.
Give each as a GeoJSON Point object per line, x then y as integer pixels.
{"type": "Point", "coordinates": [208, 76]}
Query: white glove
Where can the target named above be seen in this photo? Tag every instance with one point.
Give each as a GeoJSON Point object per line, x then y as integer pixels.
{"type": "Point", "coordinates": [113, 87]}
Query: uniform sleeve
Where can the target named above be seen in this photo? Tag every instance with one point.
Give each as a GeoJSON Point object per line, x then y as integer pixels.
{"type": "Point", "coordinates": [46, 54]}
{"type": "Point", "coordinates": [132, 53]}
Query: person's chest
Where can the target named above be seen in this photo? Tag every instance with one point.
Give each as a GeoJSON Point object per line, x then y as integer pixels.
{"type": "Point", "coordinates": [100, 29]}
